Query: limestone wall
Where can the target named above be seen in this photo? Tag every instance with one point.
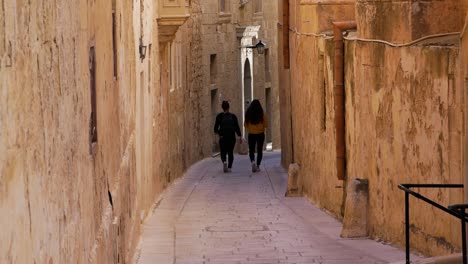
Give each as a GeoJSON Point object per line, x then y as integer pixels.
{"type": "Point", "coordinates": [284, 83]}
{"type": "Point", "coordinates": [64, 198]}
{"type": "Point", "coordinates": [312, 102]}
{"type": "Point", "coordinates": [404, 124]}
{"type": "Point", "coordinates": [406, 20]}
{"type": "Point", "coordinates": [404, 120]}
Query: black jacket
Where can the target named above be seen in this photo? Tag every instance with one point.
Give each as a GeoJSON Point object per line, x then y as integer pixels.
{"type": "Point", "coordinates": [226, 125]}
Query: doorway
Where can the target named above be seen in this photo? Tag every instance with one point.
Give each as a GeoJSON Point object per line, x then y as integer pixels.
{"type": "Point", "coordinates": [214, 113]}
{"type": "Point", "coordinates": [269, 137]}
{"type": "Point", "coordinates": [247, 84]}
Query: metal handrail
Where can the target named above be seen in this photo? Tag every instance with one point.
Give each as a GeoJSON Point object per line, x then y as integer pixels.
{"type": "Point", "coordinates": [457, 210]}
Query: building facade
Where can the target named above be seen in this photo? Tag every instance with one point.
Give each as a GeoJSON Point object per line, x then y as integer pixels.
{"type": "Point", "coordinates": [234, 72]}
{"type": "Point", "coordinates": [400, 100]}
{"type": "Point", "coordinates": [87, 123]}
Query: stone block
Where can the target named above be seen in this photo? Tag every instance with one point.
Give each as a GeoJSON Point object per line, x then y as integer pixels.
{"type": "Point", "coordinates": [294, 181]}
{"type": "Point", "coordinates": [355, 218]}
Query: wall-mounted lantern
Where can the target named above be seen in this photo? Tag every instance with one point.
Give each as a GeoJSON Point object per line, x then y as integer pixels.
{"type": "Point", "coordinates": [260, 46]}
{"type": "Point", "coordinates": [142, 50]}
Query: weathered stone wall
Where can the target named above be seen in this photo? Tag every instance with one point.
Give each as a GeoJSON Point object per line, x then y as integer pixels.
{"type": "Point", "coordinates": [221, 76]}
{"type": "Point", "coordinates": [416, 105]}
{"type": "Point", "coordinates": [46, 163]}
{"type": "Point", "coordinates": [62, 198]}
{"type": "Point", "coordinates": [188, 106]}
{"type": "Point", "coordinates": [404, 124]}
{"type": "Point", "coordinates": [284, 83]}
{"type": "Point", "coordinates": [312, 101]}
{"type": "Point", "coordinates": [407, 20]}
{"type": "Point", "coordinates": [403, 117]}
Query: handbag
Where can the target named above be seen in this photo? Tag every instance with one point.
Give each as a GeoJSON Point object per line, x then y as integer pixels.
{"type": "Point", "coordinates": [242, 147]}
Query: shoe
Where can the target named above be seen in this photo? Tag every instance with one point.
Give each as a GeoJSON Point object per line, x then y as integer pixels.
{"type": "Point", "coordinates": [225, 167]}
{"type": "Point", "coordinates": [229, 170]}
{"type": "Point", "coordinates": [254, 166]}
{"type": "Point", "coordinates": [258, 168]}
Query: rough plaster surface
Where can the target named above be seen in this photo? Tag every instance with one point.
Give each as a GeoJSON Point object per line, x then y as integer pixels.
{"type": "Point", "coordinates": [407, 20]}
{"type": "Point", "coordinates": [415, 124]}
{"type": "Point", "coordinates": [355, 215]}
{"type": "Point", "coordinates": [61, 203]}
{"type": "Point", "coordinates": [403, 119]}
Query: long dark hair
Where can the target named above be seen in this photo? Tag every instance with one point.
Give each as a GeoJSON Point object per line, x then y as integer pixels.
{"type": "Point", "coordinates": [254, 113]}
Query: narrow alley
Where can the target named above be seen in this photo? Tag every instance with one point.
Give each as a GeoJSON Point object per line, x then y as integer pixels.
{"type": "Point", "coordinates": [242, 217]}
{"type": "Point", "coordinates": [112, 113]}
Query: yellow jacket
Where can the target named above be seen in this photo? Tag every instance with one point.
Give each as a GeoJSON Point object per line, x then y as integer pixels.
{"type": "Point", "coordinates": [257, 128]}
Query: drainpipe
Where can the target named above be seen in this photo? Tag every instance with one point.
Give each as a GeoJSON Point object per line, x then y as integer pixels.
{"type": "Point", "coordinates": [339, 92]}
{"type": "Point", "coordinates": [464, 35]}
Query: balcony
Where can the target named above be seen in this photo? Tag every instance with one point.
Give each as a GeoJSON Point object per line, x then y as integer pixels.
{"type": "Point", "coordinates": [172, 15]}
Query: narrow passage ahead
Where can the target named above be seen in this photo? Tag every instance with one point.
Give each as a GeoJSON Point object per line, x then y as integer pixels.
{"type": "Point", "coordinates": [242, 217]}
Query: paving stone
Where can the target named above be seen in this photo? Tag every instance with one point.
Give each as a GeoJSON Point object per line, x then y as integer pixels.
{"type": "Point", "coordinates": [212, 217]}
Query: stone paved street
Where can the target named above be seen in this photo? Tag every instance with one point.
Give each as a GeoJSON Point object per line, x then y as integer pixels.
{"type": "Point", "coordinates": [240, 217]}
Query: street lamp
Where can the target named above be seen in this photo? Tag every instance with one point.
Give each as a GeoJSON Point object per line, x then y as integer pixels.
{"type": "Point", "coordinates": [142, 50]}
{"type": "Point", "coordinates": [260, 46]}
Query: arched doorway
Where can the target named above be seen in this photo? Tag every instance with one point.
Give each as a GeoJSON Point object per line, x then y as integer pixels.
{"type": "Point", "coordinates": [247, 84]}
{"type": "Point", "coordinates": [247, 92]}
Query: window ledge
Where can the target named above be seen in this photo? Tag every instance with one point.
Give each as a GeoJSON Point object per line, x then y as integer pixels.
{"type": "Point", "coordinates": [224, 17]}
{"type": "Point", "coordinates": [225, 14]}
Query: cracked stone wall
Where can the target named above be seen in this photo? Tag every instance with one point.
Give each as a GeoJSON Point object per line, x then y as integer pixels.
{"type": "Point", "coordinates": [404, 120]}
{"type": "Point", "coordinates": [404, 123]}
{"type": "Point", "coordinates": [66, 196]}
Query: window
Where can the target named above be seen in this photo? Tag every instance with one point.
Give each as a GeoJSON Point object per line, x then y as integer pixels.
{"type": "Point", "coordinates": [224, 6]}
{"type": "Point", "coordinates": [214, 113]}
{"type": "Point", "coordinates": [175, 65]}
{"type": "Point", "coordinates": [267, 66]}
{"type": "Point", "coordinates": [172, 67]}
{"type": "Point", "coordinates": [3, 36]}
{"type": "Point", "coordinates": [268, 114]}
{"type": "Point", "coordinates": [114, 42]}
{"type": "Point", "coordinates": [93, 134]}
{"type": "Point", "coordinates": [150, 73]}
{"type": "Point", "coordinates": [286, 33]}
{"type": "Point", "coordinates": [213, 69]}
{"type": "Point", "coordinates": [323, 88]}
{"type": "Point", "coordinates": [258, 8]}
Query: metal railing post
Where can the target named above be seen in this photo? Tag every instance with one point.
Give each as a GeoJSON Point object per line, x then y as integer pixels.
{"type": "Point", "coordinates": [456, 210]}
{"type": "Point", "coordinates": [407, 228]}
{"type": "Point", "coordinates": [465, 257]}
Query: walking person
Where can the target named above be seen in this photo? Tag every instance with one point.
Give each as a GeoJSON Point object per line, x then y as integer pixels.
{"type": "Point", "coordinates": [255, 123]}
{"type": "Point", "coordinates": [227, 126]}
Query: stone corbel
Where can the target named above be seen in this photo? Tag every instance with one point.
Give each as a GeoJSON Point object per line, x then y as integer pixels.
{"type": "Point", "coordinates": [172, 15]}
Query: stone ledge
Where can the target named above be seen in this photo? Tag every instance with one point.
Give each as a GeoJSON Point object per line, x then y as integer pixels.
{"type": "Point", "coordinates": [328, 2]}
{"type": "Point", "coordinates": [451, 259]}
{"type": "Point", "coordinates": [170, 18]}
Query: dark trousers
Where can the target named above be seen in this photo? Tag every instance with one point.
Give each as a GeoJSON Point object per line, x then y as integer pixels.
{"type": "Point", "coordinates": [226, 144]}
{"type": "Point", "coordinates": [256, 140]}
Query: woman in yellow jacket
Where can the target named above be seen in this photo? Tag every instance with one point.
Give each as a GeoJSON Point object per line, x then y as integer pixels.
{"type": "Point", "coordinates": [255, 123]}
